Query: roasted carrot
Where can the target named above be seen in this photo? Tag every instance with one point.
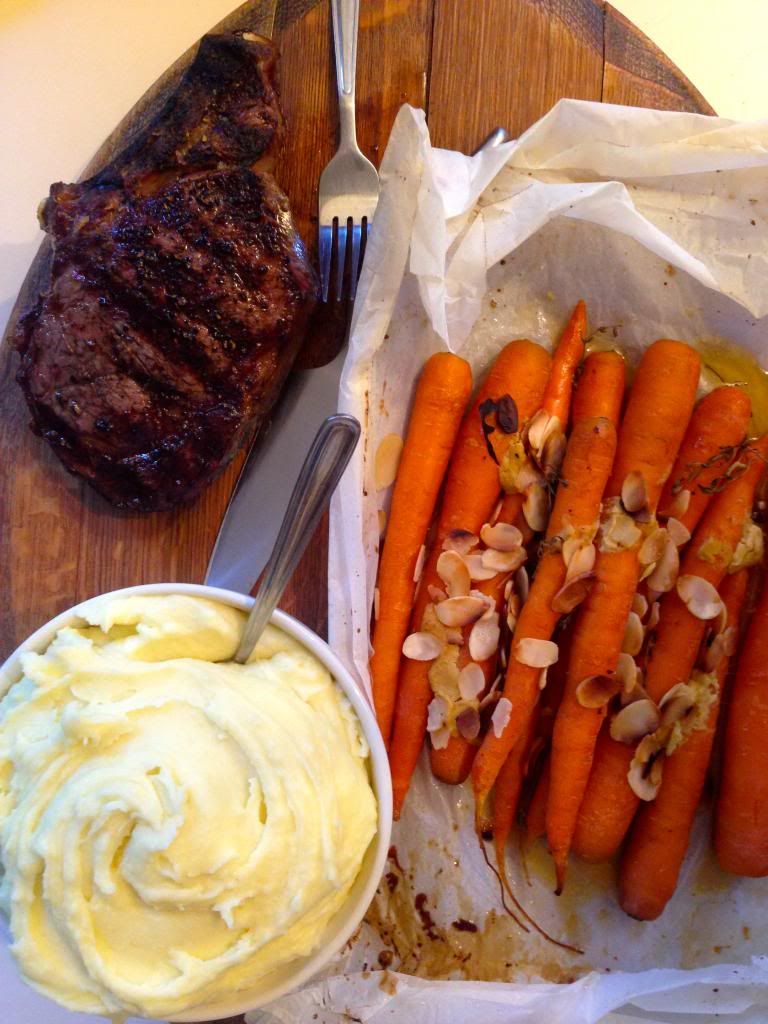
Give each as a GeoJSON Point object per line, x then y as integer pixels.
{"type": "Point", "coordinates": [661, 830]}
{"type": "Point", "coordinates": [600, 387]}
{"type": "Point", "coordinates": [654, 424]}
{"type": "Point", "coordinates": [536, 818]}
{"type": "Point", "coordinates": [719, 423]}
{"type": "Point", "coordinates": [587, 466]}
{"type": "Point", "coordinates": [741, 815]}
{"type": "Point", "coordinates": [565, 359]}
{"type": "Point", "coordinates": [609, 803]}
{"type": "Point", "coordinates": [472, 489]}
{"type": "Point", "coordinates": [506, 796]}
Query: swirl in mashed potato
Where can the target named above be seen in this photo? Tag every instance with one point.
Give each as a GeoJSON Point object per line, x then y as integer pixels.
{"type": "Point", "coordinates": [173, 825]}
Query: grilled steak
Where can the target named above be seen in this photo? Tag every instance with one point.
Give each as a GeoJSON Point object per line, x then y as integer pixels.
{"type": "Point", "coordinates": [179, 293]}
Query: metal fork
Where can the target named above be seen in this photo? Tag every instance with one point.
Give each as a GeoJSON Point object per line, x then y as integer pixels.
{"type": "Point", "coordinates": [349, 185]}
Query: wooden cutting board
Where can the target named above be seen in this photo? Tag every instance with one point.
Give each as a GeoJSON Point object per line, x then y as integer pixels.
{"type": "Point", "coordinates": [473, 65]}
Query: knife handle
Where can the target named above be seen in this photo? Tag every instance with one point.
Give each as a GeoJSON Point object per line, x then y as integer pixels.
{"type": "Point", "coordinates": [325, 462]}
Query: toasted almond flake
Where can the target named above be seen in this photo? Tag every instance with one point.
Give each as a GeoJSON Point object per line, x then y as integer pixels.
{"type": "Point", "coordinates": [652, 547]}
{"type": "Point", "coordinates": [536, 653]}
{"type": "Point", "coordinates": [730, 638]}
{"type": "Point", "coordinates": [572, 593]}
{"type": "Point", "coordinates": [382, 522]}
{"type": "Point", "coordinates": [679, 533]}
{"type": "Point", "coordinates": [376, 604]}
{"type": "Point", "coordinates": [440, 737]}
{"type": "Point", "coordinates": [640, 605]}
{"type": "Point", "coordinates": [700, 597]}
{"type": "Point", "coordinates": [536, 506]}
{"type": "Point", "coordinates": [644, 775]}
{"type": "Point", "coordinates": [454, 636]}
{"type": "Point", "coordinates": [460, 540]}
{"type": "Point", "coordinates": [634, 494]}
{"type": "Point", "coordinates": [543, 678]}
{"type": "Point", "coordinates": [501, 537]}
{"type": "Point", "coordinates": [484, 638]}
{"type": "Point", "coordinates": [471, 681]}
{"type": "Point", "coordinates": [720, 621]}
{"type": "Point", "coordinates": [419, 567]}
{"type": "Point", "coordinates": [638, 719]}
{"type": "Point", "coordinates": [539, 427]}
{"type": "Point", "coordinates": [522, 583]}
{"type": "Point", "coordinates": [468, 723]}
{"type": "Point", "coordinates": [497, 511]}
{"type": "Point", "coordinates": [500, 717]}
{"type": "Point", "coordinates": [503, 657]}
{"type": "Point", "coordinates": [618, 532]}
{"type": "Point", "coordinates": [634, 634]}
{"type": "Point", "coordinates": [553, 453]}
{"type": "Point", "coordinates": [627, 673]}
{"type": "Point", "coordinates": [477, 571]}
{"type": "Point", "coordinates": [503, 561]}
{"type": "Point", "coordinates": [387, 460]}
{"type": "Point", "coordinates": [513, 611]}
{"type": "Point", "coordinates": [597, 691]}
{"type": "Point", "coordinates": [460, 611]}
{"type": "Point", "coordinates": [581, 561]}
{"type": "Point", "coordinates": [493, 692]}
{"type": "Point", "coordinates": [487, 600]}
{"type": "Point", "coordinates": [436, 594]}
{"type": "Point", "coordinates": [681, 502]}
{"type": "Point", "coordinates": [422, 646]}
{"type": "Point", "coordinates": [750, 549]}
{"type": "Point", "coordinates": [676, 704]}
{"type": "Point", "coordinates": [653, 616]}
{"type": "Point", "coordinates": [437, 712]}
{"type": "Point", "coordinates": [664, 575]}
{"type": "Point", "coordinates": [508, 589]}
{"type": "Point", "coordinates": [453, 571]}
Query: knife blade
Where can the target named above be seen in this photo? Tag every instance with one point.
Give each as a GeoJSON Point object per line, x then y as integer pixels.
{"type": "Point", "coordinates": [257, 505]}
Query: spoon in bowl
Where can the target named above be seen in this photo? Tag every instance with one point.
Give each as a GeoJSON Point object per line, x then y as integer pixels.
{"type": "Point", "coordinates": [325, 462]}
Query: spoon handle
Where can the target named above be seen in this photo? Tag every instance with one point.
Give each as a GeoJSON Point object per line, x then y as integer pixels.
{"type": "Point", "coordinates": [325, 462]}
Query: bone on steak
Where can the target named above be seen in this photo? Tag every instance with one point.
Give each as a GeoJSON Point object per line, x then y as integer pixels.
{"type": "Point", "coordinates": [179, 292]}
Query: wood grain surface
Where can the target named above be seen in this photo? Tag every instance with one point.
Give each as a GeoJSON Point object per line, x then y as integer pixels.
{"type": "Point", "coordinates": [472, 64]}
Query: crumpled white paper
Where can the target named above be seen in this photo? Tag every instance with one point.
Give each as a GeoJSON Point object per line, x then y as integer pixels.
{"type": "Point", "coordinates": [660, 222]}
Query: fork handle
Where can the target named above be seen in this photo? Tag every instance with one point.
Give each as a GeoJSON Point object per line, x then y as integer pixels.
{"type": "Point", "coordinates": [344, 14]}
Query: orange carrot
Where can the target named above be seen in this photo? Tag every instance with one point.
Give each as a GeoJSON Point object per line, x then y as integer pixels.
{"type": "Point", "coordinates": [472, 489]}
{"type": "Point", "coordinates": [506, 796]}
{"type": "Point", "coordinates": [600, 387]}
{"type": "Point", "coordinates": [536, 818]}
{"type": "Point", "coordinates": [587, 465]}
{"type": "Point", "coordinates": [657, 415]}
{"type": "Point", "coordinates": [565, 359]}
{"type": "Point", "coordinates": [741, 816]}
{"type": "Point", "coordinates": [719, 423]}
{"type": "Point", "coordinates": [659, 839]}
{"type": "Point", "coordinates": [609, 803]}
{"type": "Point", "coordinates": [441, 397]}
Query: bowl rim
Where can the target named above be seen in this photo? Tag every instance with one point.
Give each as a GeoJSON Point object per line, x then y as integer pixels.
{"type": "Point", "coordinates": [351, 913]}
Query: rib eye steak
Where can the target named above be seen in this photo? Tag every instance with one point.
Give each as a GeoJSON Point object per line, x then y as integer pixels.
{"type": "Point", "coordinates": [179, 291]}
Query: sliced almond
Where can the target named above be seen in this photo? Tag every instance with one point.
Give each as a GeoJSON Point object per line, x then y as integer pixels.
{"type": "Point", "coordinates": [460, 540]}
{"type": "Point", "coordinates": [640, 605]}
{"type": "Point", "coordinates": [597, 691]}
{"type": "Point", "coordinates": [750, 549]}
{"type": "Point", "coordinates": [536, 506]}
{"type": "Point", "coordinates": [387, 460]}
{"type": "Point", "coordinates": [634, 634]}
{"type": "Point", "coordinates": [543, 678]}
{"type": "Point", "coordinates": [572, 593]}
{"type": "Point", "coordinates": [477, 570]}
{"type": "Point", "coordinates": [493, 692]}
{"type": "Point", "coordinates": [700, 597]}
{"type": "Point", "coordinates": [540, 426]}
{"type": "Point", "coordinates": [453, 571]}
{"type": "Point", "coordinates": [497, 511]}
{"type": "Point", "coordinates": [501, 537]}
{"type": "Point", "coordinates": [454, 636]}
{"type": "Point", "coordinates": [638, 719]}
{"type": "Point", "coordinates": [679, 533]}
{"type": "Point", "coordinates": [440, 738]}
{"type": "Point", "coordinates": [664, 575]}
{"type": "Point", "coordinates": [634, 494]}
{"type": "Point", "coordinates": [644, 775]}
{"type": "Point", "coordinates": [513, 611]}
{"type": "Point", "coordinates": [627, 672]}
{"type": "Point", "coordinates": [680, 502]}
{"type": "Point", "coordinates": [619, 531]}
{"type": "Point", "coordinates": [676, 704]}
{"type": "Point", "coordinates": [522, 583]}
{"type": "Point", "coordinates": [653, 616]}
{"type": "Point", "coordinates": [652, 547]}
{"type": "Point", "coordinates": [484, 638]}
{"type": "Point", "coordinates": [581, 561]}
{"type": "Point", "coordinates": [436, 593]}
{"type": "Point", "coordinates": [536, 653]}
{"type": "Point", "coordinates": [460, 611]}
{"type": "Point", "coordinates": [503, 561]}
{"type": "Point", "coordinates": [471, 681]}
{"type": "Point", "coordinates": [500, 717]}
{"type": "Point", "coordinates": [419, 567]}
{"type": "Point", "coordinates": [437, 713]}
{"type": "Point", "coordinates": [376, 604]}
{"type": "Point", "coordinates": [468, 723]}
{"type": "Point", "coordinates": [422, 646]}
{"type": "Point", "coordinates": [553, 453]}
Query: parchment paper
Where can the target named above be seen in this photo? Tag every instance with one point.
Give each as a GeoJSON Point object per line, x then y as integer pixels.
{"type": "Point", "coordinates": [660, 222]}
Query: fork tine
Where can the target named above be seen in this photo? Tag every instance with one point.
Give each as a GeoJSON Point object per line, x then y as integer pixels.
{"type": "Point", "coordinates": [354, 272]}
{"type": "Point", "coordinates": [326, 248]}
{"type": "Point", "coordinates": [341, 258]}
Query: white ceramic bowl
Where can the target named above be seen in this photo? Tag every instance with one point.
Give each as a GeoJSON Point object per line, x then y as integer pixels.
{"type": "Point", "coordinates": [344, 923]}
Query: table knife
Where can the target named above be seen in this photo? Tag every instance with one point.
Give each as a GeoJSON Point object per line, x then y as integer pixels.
{"type": "Point", "coordinates": [255, 512]}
